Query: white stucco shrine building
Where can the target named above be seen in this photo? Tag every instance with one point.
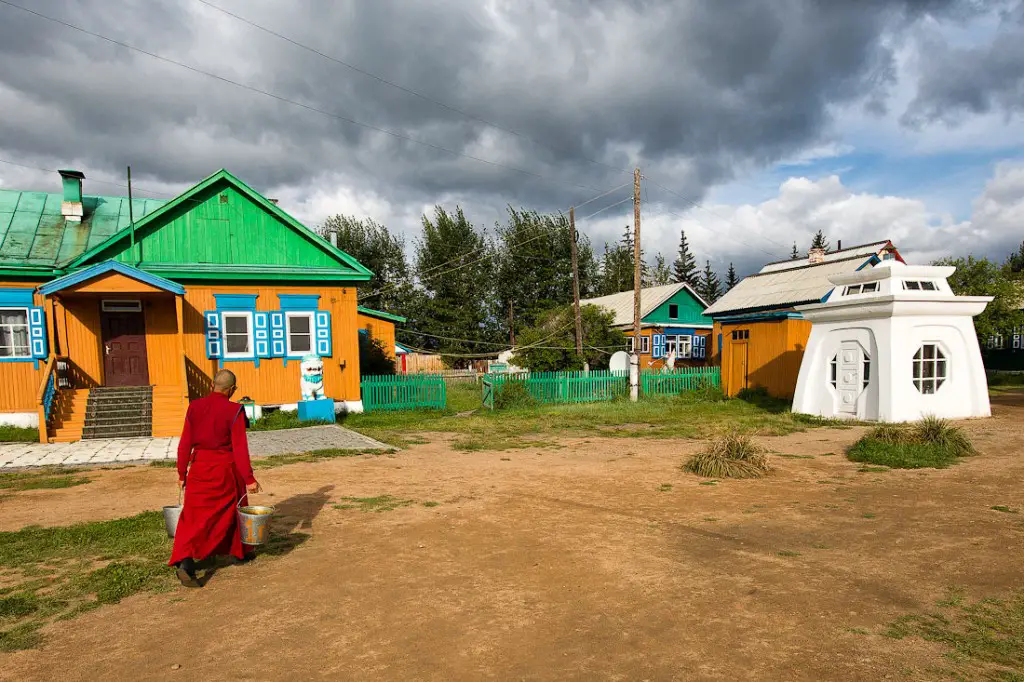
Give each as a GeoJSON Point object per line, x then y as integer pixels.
{"type": "Point", "coordinates": [893, 343]}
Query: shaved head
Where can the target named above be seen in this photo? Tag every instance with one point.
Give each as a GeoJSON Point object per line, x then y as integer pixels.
{"type": "Point", "coordinates": [223, 381]}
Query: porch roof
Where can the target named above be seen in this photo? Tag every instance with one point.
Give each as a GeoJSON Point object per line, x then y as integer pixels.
{"type": "Point", "coordinates": [106, 267]}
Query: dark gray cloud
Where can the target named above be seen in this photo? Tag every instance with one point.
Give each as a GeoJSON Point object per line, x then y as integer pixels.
{"type": "Point", "coordinates": [957, 80]}
{"type": "Point", "coordinates": [690, 90]}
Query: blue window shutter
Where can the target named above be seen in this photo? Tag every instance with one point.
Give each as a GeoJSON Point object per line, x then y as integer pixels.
{"type": "Point", "coordinates": [323, 333]}
{"type": "Point", "coordinates": [261, 334]}
{"type": "Point", "coordinates": [214, 340]}
{"type": "Point", "coordinates": [658, 346]}
{"type": "Point", "coordinates": [37, 332]}
{"type": "Point", "coordinates": [278, 348]}
{"type": "Point", "coordinates": [700, 346]}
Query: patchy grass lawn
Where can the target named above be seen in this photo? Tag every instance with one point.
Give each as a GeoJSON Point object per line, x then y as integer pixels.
{"type": "Point", "coordinates": [381, 503]}
{"type": "Point", "coordinates": [42, 478]}
{"type": "Point", "coordinates": [56, 573]}
{"type": "Point", "coordinates": [279, 419]}
{"type": "Point", "coordinates": [18, 434]}
{"type": "Point", "coordinates": [482, 429]}
{"type": "Point", "coordinates": [311, 456]}
{"type": "Point", "coordinates": [986, 636]}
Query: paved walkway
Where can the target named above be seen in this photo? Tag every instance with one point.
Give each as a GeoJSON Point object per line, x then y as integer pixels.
{"type": "Point", "coordinates": [114, 450]}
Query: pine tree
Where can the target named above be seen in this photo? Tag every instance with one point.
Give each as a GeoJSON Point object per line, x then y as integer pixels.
{"type": "Point", "coordinates": [685, 267]}
{"type": "Point", "coordinates": [819, 241]}
{"type": "Point", "coordinates": [796, 254]}
{"type": "Point", "coordinates": [662, 273]}
{"type": "Point", "coordinates": [730, 278]}
{"type": "Point", "coordinates": [709, 287]}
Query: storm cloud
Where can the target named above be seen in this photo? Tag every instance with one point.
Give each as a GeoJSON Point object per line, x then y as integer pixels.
{"type": "Point", "coordinates": [693, 92]}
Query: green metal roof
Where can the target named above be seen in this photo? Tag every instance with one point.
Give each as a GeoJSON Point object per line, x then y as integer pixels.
{"type": "Point", "coordinates": [34, 234]}
{"type": "Point", "coordinates": [370, 312]}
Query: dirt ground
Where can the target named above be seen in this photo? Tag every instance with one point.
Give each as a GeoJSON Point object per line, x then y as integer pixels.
{"type": "Point", "coordinates": [566, 562]}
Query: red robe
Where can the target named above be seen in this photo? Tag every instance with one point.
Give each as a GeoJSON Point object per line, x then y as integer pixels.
{"type": "Point", "coordinates": [214, 455]}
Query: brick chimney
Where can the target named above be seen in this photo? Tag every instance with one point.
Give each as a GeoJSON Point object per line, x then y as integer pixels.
{"type": "Point", "coordinates": [816, 256]}
{"type": "Point", "coordinates": [71, 206]}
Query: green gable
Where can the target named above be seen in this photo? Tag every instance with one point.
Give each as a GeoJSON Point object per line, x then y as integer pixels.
{"type": "Point", "coordinates": [690, 311]}
{"type": "Point", "coordinates": [223, 229]}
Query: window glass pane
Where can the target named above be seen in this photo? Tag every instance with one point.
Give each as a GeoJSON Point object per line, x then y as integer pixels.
{"type": "Point", "coordinates": [928, 387]}
{"type": "Point", "coordinates": [917, 369]}
{"type": "Point", "coordinates": [913, 286]}
{"type": "Point", "coordinates": [940, 369]}
{"type": "Point", "coordinates": [237, 343]}
{"type": "Point", "coordinates": [236, 324]}
{"type": "Point", "coordinates": [929, 351]}
{"type": "Point", "coordinates": [14, 317]}
{"type": "Point", "coordinates": [673, 311]}
{"type": "Point", "coordinates": [871, 286]}
{"type": "Point", "coordinates": [928, 286]}
{"type": "Point", "coordinates": [298, 325]}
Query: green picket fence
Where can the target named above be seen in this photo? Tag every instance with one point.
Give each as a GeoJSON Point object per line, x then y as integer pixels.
{"type": "Point", "coordinates": [586, 387]}
{"type": "Point", "coordinates": [391, 392]}
{"type": "Point", "coordinates": [680, 380]}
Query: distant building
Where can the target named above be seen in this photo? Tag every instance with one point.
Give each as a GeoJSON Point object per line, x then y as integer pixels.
{"type": "Point", "coordinates": [759, 333]}
{"type": "Point", "coordinates": [671, 320]}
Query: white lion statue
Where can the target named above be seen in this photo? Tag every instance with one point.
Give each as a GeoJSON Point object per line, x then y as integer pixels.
{"type": "Point", "coordinates": [312, 382]}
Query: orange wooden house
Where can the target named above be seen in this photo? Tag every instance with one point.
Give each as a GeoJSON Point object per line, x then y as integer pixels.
{"type": "Point", "coordinates": [759, 336]}
{"type": "Point", "coordinates": [114, 315]}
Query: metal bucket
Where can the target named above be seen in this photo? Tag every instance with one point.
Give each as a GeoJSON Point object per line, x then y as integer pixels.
{"type": "Point", "coordinates": [171, 514]}
{"type": "Point", "coordinates": [254, 523]}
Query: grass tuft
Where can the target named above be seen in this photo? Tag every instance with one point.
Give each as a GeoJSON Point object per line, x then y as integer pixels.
{"type": "Point", "coordinates": [381, 503]}
{"type": "Point", "coordinates": [931, 443]}
{"type": "Point", "coordinates": [1003, 508]}
{"type": "Point", "coordinates": [731, 456]}
{"type": "Point", "coordinates": [665, 488]}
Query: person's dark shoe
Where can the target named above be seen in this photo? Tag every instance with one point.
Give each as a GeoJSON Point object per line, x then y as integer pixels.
{"type": "Point", "coordinates": [186, 572]}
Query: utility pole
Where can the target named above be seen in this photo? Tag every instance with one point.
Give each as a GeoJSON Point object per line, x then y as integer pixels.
{"type": "Point", "coordinates": [634, 360]}
{"type": "Point", "coordinates": [575, 281]}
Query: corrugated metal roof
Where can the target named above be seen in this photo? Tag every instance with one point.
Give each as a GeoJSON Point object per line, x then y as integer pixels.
{"type": "Point", "coordinates": [34, 233]}
{"type": "Point", "coordinates": [865, 250]}
{"type": "Point", "coordinates": [785, 288]}
{"type": "Point", "coordinates": [621, 304]}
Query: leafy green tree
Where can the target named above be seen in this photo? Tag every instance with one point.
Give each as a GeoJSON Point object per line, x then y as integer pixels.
{"type": "Point", "coordinates": [373, 245]}
{"type": "Point", "coordinates": [1016, 260]}
{"type": "Point", "coordinates": [684, 269]}
{"type": "Point", "coordinates": [731, 279]}
{"type": "Point", "coordinates": [709, 287]}
{"type": "Point", "coordinates": [455, 294]}
{"type": "Point", "coordinates": [550, 345]}
{"type": "Point", "coordinates": [796, 254]}
{"type": "Point", "coordinates": [982, 277]}
{"type": "Point", "coordinates": [819, 241]}
{"type": "Point", "coordinates": [661, 273]}
{"type": "Point", "coordinates": [533, 264]}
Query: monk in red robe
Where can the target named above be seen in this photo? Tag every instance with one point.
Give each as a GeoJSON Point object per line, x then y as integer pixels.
{"type": "Point", "coordinates": [215, 472]}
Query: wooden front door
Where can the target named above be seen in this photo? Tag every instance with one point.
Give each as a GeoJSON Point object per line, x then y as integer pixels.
{"type": "Point", "coordinates": [124, 349]}
{"type": "Point", "coordinates": [850, 383]}
{"type": "Point", "coordinates": [737, 367]}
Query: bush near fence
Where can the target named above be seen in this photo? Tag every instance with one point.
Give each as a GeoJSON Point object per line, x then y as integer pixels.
{"type": "Point", "coordinates": [586, 387]}
{"type": "Point", "coordinates": [403, 392]}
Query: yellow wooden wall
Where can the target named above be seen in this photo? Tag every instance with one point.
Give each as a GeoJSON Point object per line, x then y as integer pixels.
{"type": "Point", "coordinates": [19, 381]}
{"type": "Point", "coordinates": [382, 330]}
{"type": "Point", "coordinates": [775, 349]}
{"type": "Point", "coordinates": [274, 383]}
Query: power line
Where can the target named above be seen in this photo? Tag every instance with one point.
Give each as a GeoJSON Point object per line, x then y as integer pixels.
{"type": "Point", "coordinates": [287, 100]}
{"type": "Point", "coordinates": [403, 88]}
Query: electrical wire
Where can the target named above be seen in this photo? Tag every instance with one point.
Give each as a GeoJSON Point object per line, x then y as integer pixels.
{"type": "Point", "coordinates": [287, 100]}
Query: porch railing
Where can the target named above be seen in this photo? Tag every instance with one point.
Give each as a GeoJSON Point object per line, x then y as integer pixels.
{"type": "Point", "coordinates": [47, 396]}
